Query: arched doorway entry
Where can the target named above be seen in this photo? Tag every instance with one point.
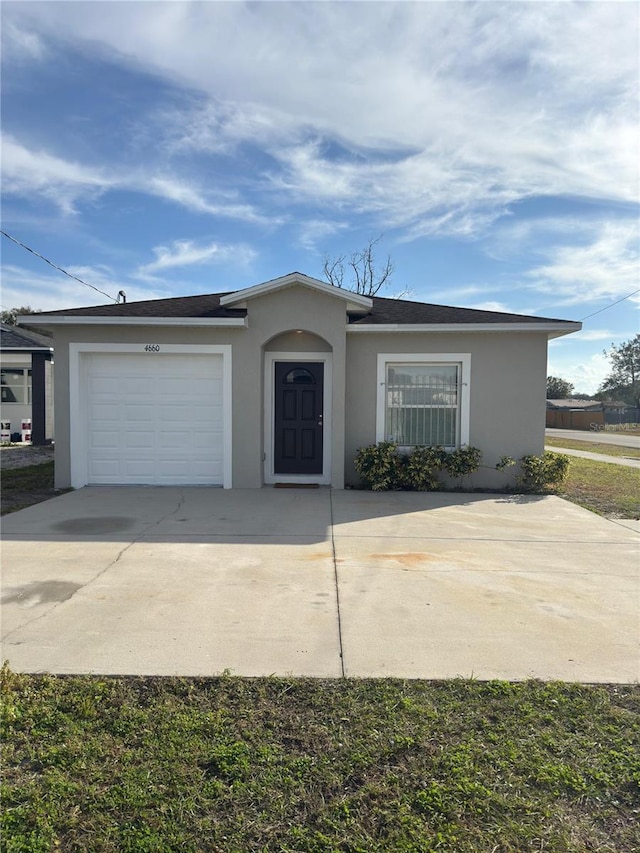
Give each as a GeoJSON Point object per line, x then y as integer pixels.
{"type": "Point", "coordinates": [297, 409]}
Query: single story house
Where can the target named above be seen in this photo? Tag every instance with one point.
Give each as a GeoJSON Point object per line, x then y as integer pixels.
{"type": "Point", "coordinates": [585, 414]}
{"type": "Point", "coordinates": [26, 382]}
{"type": "Point", "coordinates": [284, 381]}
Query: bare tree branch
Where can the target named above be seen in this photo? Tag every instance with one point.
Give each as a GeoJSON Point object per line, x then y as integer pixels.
{"type": "Point", "coordinates": [366, 278]}
{"type": "Point", "coordinates": [333, 270]}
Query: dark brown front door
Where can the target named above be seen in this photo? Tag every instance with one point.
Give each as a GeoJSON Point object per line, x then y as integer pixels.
{"type": "Point", "coordinates": [298, 417]}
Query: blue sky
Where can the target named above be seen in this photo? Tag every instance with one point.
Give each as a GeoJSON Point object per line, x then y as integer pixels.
{"type": "Point", "coordinates": [179, 148]}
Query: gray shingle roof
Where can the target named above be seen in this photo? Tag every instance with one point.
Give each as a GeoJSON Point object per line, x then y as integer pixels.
{"type": "Point", "coordinates": [384, 311]}
{"type": "Point", "coordinates": [404, 311]}
{"type": "Point", "coordinates": [14, 338]}
{"type": "Point", "coordinates": [207, 305]}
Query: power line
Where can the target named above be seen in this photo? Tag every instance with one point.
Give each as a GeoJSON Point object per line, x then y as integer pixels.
{"type": "Point", "coordinates": [55, 266]}
{"type": "Point", "coordinates": [606, 307]}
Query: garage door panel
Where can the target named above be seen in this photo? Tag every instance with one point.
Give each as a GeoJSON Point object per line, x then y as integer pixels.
{"type": "Point", "coordinates": [177, 387]}
{"type": "Point", "coordinates": [103, 412]}
{"type": "Point", "coordinates": [195, 412]}
{"type": "Point", "coordinates": [131, 414]}
{"type": "Point", "coordinates": [168, 439]}
{"type": "Point", "coordinates": [202, 441]}
{"type": "Point", "coordinates": [140, 440]}
{"type": "Point", "coordinates": [105, 438]}
{"type": "Point", "coordinates": [139, 386]}
{"type": "Point", "coordinates": [109, 470]}
{"type": "Point", "coordinates": [103, 385]}
{"type": "Point", "coordinates": [138, 470]}
{"type": "Point", "coordinates": [155, 420]}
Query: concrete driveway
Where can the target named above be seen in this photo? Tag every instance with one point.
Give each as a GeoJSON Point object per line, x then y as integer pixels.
{"type": "Point", "coordinates": [194, 581]}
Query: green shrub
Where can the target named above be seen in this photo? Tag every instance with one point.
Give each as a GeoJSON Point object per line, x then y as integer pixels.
{"type": "Point", "coordinates": [381, 467]}
{"type": "Point", "coordinates": [421, 466]}
{"type": "Point", "coordinates": [463, 461]}
{"type": "Point", "coordinates": [541, 472]}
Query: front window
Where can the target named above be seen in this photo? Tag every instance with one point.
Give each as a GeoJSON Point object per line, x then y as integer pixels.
{"type": "Point", "coordinates": [15, 383]}
{"type": "Point", "coordinates": [423, 399]}
{"type": "Point", "coordinates": [422, 404]}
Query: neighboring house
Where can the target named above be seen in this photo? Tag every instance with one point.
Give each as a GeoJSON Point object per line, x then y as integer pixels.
{"type": "Point", "coordinates": [26, 376]}
{"type": "Point", "coordinates": [284, 381]}
{"type": "Point", "coordinates": [583, 414]}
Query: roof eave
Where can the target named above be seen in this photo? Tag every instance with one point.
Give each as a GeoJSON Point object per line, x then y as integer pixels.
{"type": "Point", "coordinates": [553, 330]}
{"type": "Point", "coordinates": [354, 301]}
{"type": "Point", "coordinates": [25, 349]}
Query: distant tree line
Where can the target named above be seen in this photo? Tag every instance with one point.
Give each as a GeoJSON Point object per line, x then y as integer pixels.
{"type": "Point", "coordinates": [622, 385]}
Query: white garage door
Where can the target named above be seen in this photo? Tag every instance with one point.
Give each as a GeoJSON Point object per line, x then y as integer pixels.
{"type": "Point", "coordinates": [154, 419]}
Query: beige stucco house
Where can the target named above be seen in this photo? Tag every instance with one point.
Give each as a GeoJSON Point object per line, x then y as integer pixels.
{"type": "Point", "coordinates": [284, 381]}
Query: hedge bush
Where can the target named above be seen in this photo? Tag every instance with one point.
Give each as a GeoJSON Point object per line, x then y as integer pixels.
{"type": "Point", "coordinates": [382, 467]}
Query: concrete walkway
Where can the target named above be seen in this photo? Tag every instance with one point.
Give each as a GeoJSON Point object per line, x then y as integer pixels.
{"type": "Point", "coordinates": [194, 581]}
{"type": "Point", "coordinates": [597, 457]}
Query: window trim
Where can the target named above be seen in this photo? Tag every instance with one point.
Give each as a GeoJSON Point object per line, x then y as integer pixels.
{"type": "Point", "coordinates": [25, 385]}
{"type": "Point", "coordinates": [407, 358]}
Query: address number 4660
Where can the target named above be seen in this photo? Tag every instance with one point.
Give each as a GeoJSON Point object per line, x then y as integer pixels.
{"type": "Point", "coordinates": [152, 348]}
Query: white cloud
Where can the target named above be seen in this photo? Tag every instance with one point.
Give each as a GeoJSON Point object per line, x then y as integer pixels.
{"type": "Point", "coordinates": [603, 267]}
{"type": "Point", "coordinates": [461, 292]}
{"type": "Point", "coordinates": [491, 305]}
{"type": "Point", "coordinates": [183, 253]}
{"type": "Point", "coordinates": [586, 374]}
{"type": "Point", "coordinates": [193, 198]}
{"type": "Point", "coordinates": [596, 335]}
{"type": "Point", "coordinates": [314, 231]}
{"type": "Point", "coordinates": [27, 172]}
{"type": "Point", "coordinates": [20, 44]}
{"type": "Point", "coordinates": [51, 292]}
{"type": "Point", "coordinates": [481, 104]}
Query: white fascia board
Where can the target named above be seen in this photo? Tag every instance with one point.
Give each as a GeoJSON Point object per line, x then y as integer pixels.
{"type": "Point", "coordinates": [354, 300]}
{"type": "Point", "coordinates": [553, 330]}
{"type": "Point", "coordinates": [70, 320]}
{"type": "Point", "coordinates": [25, 350]}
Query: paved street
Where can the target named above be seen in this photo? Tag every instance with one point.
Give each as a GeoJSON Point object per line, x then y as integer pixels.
{"type": "Point", "coordinates": [622, 438]}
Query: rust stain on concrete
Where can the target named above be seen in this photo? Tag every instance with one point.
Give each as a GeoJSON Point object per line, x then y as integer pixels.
{"type": "Point", "coordinates": [409, 558]}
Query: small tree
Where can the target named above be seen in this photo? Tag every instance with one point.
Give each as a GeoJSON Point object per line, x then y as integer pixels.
{"type": "Point", "coordinates": [623, 383]}
{"type": "Point", "coordinates": [10, 314]}
{"type": "Point", "coordinates": [365, 277]}
{"type": "Point", "coordinates": [558, 389]}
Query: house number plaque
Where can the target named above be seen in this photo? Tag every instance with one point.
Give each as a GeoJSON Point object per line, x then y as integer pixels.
{"type": "Point", "coordinates": [152, 348]}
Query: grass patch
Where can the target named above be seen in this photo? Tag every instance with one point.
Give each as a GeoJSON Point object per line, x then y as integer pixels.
{"type": "Point", "coordinates": [22, 487]}
{"type": "Point", "coordinates": [604, 488]}
{"type": "Point", "coordinates": [317, 766]}
{"type": "Point", "coordinates": [29, 478]}
{"type": "Point", "coordinates": [593, 447]}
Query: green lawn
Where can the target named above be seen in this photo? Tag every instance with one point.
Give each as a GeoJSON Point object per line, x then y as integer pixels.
{"type": "Point", "coordinates": [22, 487]}
{"type": "Point", "coordinates": [312, 766]}
{"type": "Point", "coordinates": [593, 447]}
{"type": "Point", "coordinates": [610, 490]}
{"type": "Point", "coordinates": [108, 765]}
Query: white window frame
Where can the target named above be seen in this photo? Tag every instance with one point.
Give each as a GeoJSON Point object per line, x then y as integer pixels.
{"type": "Point", "coordinates": [25, 385]}
{"type": "Point", "coordinates": [78, 438]}
{"type": "Point", "coordinates": [270, 359]}
{"type": "Point", "coordinates": [463, 359]}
